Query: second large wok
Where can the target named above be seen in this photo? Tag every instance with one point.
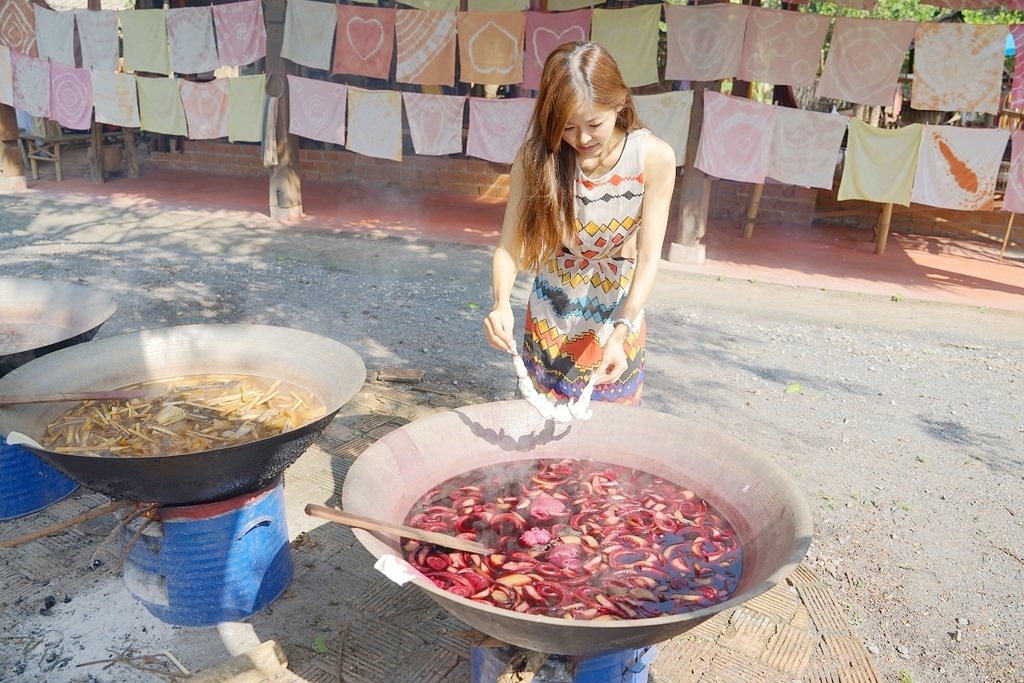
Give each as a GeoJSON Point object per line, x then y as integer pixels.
{"type": "Point", "coordinates": [327, 368]}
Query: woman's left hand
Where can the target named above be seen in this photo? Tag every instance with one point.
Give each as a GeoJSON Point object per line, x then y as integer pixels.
{"type": "Point", "coordinates": [613, 361]}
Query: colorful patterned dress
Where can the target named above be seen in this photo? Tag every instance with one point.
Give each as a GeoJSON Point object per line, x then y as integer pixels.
{"type": "Point", "coordinates": [578, 291]}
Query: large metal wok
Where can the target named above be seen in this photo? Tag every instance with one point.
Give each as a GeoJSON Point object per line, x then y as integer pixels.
{"type": "Point", "coordinates": [40, 316]}
{"type": "Point", "coordinates": [762, 503]}
{"type": "Point", "coordinates": [327, 368]}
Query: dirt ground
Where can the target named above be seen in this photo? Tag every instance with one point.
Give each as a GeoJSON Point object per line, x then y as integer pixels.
{"type": "Point", "coordinates": [900, 420]}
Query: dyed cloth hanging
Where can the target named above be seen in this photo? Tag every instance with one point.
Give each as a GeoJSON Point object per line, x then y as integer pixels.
{"type": "Point", "coordinates": [631, 36]}
{"type": "Point", "coordinates": [433, 5]}
{"type": "Point", "coordinates": [544, 32]}
{"type": "Point", "coordinates": [426, 47]}
{"type": "Point", "coordinates": [735, 138]}
{"type": "Point", "coordinates": [782, 47]}
{"type": "Point", "coordinates": [867, 5]}
{"type": "Point", "coordinates": [1013, 199]}
{"type": "Point", "coordinates": [957, 167]}
{"type": "Point", "coordinates": [241, 34]}
{"type": "Point", "coordinates": [972, 81]}
{"type": "Point", "coordinates": [1017, 90]}
{"type": "Point", "coordinates": [569, 5]}
{"type": "Point", "coordinates": [365, 41]}
{"type": "Point", "coordinates": [435, 122]}
{"type": "Point", "coordinates": [309, 33]}
{"type": "Point", "coordinates": [247, 107]}
{"type": "Point", "coordinates": [804, 148]}
{"type": "Point", "coordinates": [18, 27]}
{"type": "Point", "coordinates": [191, 44]}
{"type": "Point", "coordinates": [6, 77]}
{"type": "Point", "coordinates": [206, 108]}
{"type": "Point", "coordinates": [375, 123]}
{"type": "Point", "coordinates": [31, 77]}
{"type": "Point", "coordinates": [704, 43]}
{"type": "Point", "coordinates": [70, 96]}
{"type": "Point", "coordinates": [865, 59]}
{"type": "Point", "coordinates": [667, 115]}
{"type": "Point", "coordinates": [55, 35]}
{"type": "Point", "coordinates": [880, 164]}
{"type": "Point", "coordinates": [144, 33]}
{"type": "Point", "coordinates": [498, 5]}
{"type": "Point", "coordinates": [317, 109]}
{"type": "Point", "coordinates": [97, 33]}
{"type": "Point", "coordinates": [160, 108]}
{"type": "Point", "coordinates": [491, 47]}
{"type": "Point", "coordinates": [497, 128]}
{"type": "Point", "coordinates": [115, 98]}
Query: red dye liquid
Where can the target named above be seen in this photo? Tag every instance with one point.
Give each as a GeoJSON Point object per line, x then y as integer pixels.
{"type": "Point", "coordinates": [577, 539]}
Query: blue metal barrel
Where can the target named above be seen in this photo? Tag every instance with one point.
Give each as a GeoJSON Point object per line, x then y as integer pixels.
{"type": "Point", "coordinates": [198, 565]}
{"type": "Point", "coordinates": [622, 666]}
{"type": "Point", "coordinates": [28, 484]}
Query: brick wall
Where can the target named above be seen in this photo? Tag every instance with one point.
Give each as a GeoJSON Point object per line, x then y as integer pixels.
{"type": "Point", "coordinates": [784, 204]}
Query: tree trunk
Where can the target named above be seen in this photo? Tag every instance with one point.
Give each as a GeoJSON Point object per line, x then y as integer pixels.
{"type": "Point", "coordinates": [285, 186]}
{"type": "Point", "coordinates": [694, 193]}
{"type": "Point", "coordinates": [12, 170]}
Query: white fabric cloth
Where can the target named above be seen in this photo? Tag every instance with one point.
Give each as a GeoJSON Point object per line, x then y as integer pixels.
{"type": "Point", "coordinates": [55, 35]}
{"type": "Point", "coordinates": [190, 40]}
{"type": "Point", "coordinates": [309, 33]}
{"type": "Point", "coordinates": [97, 32]}
{"type": "Point", "coordinates": [667, 115]}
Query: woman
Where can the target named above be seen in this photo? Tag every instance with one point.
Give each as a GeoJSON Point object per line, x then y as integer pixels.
{"type": "Point", "coordinates": [588, 204]}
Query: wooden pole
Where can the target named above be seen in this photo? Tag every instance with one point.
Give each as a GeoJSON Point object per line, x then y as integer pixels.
{"type": "Point", "coordinates": [884, 219]}
{"type": "Point", "coordinates": [130, 153]}
{"type": "Point", "coordinates": [752, 206]}
{"type": "Point", "coordinates": [66, 524]}
{"type": "Point", "coordinates": [694, 196]}
{"type": "Point", "coordinates": [285, 186]}
{"type": "Point", "coordinates": [95, 155]}
{"type": "Point", "coordinates": [1006, 237]}
{"type": "Point", "coordinates": [12, 169]}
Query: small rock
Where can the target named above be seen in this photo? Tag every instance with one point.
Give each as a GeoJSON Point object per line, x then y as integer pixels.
{"type": "Point", "coordinates": [961, 622]}
{"type": "Point", "coordinates": [49, 601]}
{"type": "Point", "coordinates": [873, 649]}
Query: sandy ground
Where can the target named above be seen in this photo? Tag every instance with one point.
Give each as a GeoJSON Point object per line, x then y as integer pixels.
{"type": "Point", "coordinates": [900, 420]}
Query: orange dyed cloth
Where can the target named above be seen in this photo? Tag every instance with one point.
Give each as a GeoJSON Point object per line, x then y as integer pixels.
{"type": "Point", "coordinates": [365, 41]}
{"type": "Point", "coordinates": [957, 167]}
{"type": "Point", "coordinates": [970, 82]}
{"type": "Point", "coordinates": [491, 47]}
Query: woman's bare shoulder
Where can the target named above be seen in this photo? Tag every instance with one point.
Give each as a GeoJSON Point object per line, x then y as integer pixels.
{"type": "Point", "coordinates": [659, 153]}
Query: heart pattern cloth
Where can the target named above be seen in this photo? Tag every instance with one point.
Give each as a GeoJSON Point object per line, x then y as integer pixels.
{"type": "Point", "coordinates": [246, 107]}
{"type": "Point", "coordinates": [375, 123]}
{"type": "Point", "coordinates": [631, 36]}
{"type": "Point", "coordinates": [705, 42]}
{"type": "Point", "coordinates": [497, 128]}
{"type": "Point", "coordinates": [241, 34]}
{"type": "Point", "coordinates": [735, 138]}
{"type": "Point", "coordinates": [18, 27]}
{"type": "Point", "coordinates": [192, 47]}
{"type": "Point", "coordinates": [957, 167]}
{"type": "Point", "coordinates": [544, 32]}
{"type": "Point", "coordinates": [426, 47]}
{"type": "Point", "coordinates": [498, 5]}
{"type": "Point", "coordinates": [365, 41]}
{"type": "Point", "coordinates": [309, 33]}
{"type": "Point", "coordinates": [6, 77]}
{"type": "Point", "coordinates": [144, 33]}
{"type": "Point", "coordinates": [972, 81]}
{"type": "Point", "coordinates": [160, 108]}
{"type": "Point", "coordinates": [491, 47]}
{"type": "Point", "coordinates": [1013, 199]}
{"type": "Point", "coordinates": [97, 33]}
{"type": "Point", "coordinates": [70, 96]}
{"type": "Point", "coordinates": [433, 5]}
{"type": "Point", "coordinates": [804, 147]}
{"type": "Point", "coordinates": [782, 47]}
{"type": "Point", "coordinates": [31, 77]}
{"type": "Point", "coordinates": [206, 108]}
{"type": "Point", "coordinates": [667, 115]}
{"type": "Point", "coordinates": [55, 35]}
{"type": "Point", "coordinates": [879, 165]}
{"type": "Point", "coordinates": [1017, 89]}
{"type": "Point", "coordinates": [115, 98]}
{"type": "Point", "coordinates": [317, 109]}
{"type": "Point", "coordinates": [865, 59]}
{"type": "Point", "coordinates": [569, 5]}
{"type": "Point", "coordinates": [435, 122]}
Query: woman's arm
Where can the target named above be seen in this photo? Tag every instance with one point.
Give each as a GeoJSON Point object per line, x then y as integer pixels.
{"type": "Point", "coordinates": [504, 266]}
{"type": "Point", "coordinates": [659, 182]}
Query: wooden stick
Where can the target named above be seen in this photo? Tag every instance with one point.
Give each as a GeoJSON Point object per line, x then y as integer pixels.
{"type": "Point", "coordinates": [61, 526]}
{"type": "Point", "coordinates": [752, 207]}
{"type": "Point", "coordinates": [76, 396]}
{"type": "Point", "coordinates": [399, 530]}
{"type": "Point", "coordinates": [1006, 237]}
{"type": "Point", "coordinates": [884, 219]}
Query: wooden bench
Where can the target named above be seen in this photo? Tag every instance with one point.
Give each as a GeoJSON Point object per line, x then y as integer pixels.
{"type": "Point", "coordinates": [37, 148]}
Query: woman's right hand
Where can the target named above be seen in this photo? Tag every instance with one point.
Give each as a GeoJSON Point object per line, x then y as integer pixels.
{"type": "Point", "coordinates": [498, 328]}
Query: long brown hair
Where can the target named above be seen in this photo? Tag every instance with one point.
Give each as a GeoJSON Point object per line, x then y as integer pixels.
{"type": "Point", "coordinates": [575, 75]}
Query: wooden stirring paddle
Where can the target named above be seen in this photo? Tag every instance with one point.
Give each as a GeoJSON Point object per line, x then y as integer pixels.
{"type": "Point", "coordinates": [117, 395]}
{"type": "Point", "coordinates": [400, 530]}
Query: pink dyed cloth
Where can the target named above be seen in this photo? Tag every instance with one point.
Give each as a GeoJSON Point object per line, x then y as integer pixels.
{"type": "Point", "coordinates": [365, 41]}
{"type": "Point", "coordinates": [704, 43]}
{"type": "Point", "coordinates": [1017, 90]}
{"type": "Point", "coordinates": [190, 40]}
{"type": "Point", "coordinates": [497, 128]}
{"type": "Point", "coordinates": [31, 77]}
{"type": "Point", "coordinates": [865, 59]}
{"type": "Point", "coordinates": [97, 31]}
{"type": "Point", "coordinates": [1013, 200]}
{"type": "Point", "coordinates": [435, 122]}
{"type": "Point", "coordinates": [241, 35]}
{"type": "Point", "coordinates": [206, 108]}
{"type": "Point", "coordinates": [735, 139]}
{"type": "Point", "coordinates": [805, 147]}
{"type": "Point", "coordinates": [544, 32]}
{"type": "Point", "coordinates": [18, 27]}
{"type": "Point", "coordinates": [782, 46]}
{"type": "Point", "coordinates": [317, 109]}
{"type": "Point", "coordinates": [70, 96]}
